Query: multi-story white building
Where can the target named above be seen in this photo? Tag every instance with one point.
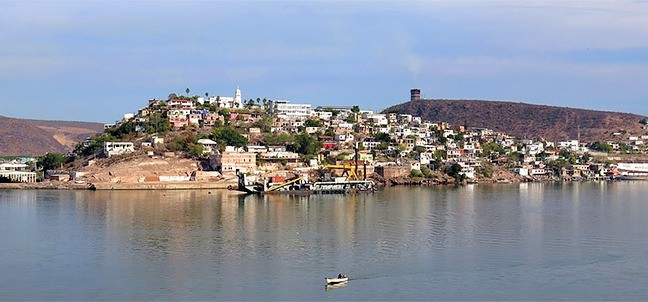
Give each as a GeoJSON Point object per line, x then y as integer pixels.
{"type": "Point", "coordinates": [283, 109]}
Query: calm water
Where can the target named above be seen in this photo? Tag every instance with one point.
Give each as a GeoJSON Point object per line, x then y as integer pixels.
{"type": "Point", "coordinates": [575, 241]}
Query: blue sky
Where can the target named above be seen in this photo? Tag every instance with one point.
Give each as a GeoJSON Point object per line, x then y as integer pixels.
{"type": "Point", "coordinates": [96, 60]}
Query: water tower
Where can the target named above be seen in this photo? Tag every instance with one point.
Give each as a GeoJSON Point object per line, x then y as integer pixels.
{"type": "Point", "coordinates": [415, 94]}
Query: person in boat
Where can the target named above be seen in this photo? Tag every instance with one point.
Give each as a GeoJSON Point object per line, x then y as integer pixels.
{"type": "Point", "coordinates": [339, 275]}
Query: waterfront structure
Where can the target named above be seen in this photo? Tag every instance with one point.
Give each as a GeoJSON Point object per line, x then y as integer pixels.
{"type": "Point", "coordinates": [16, 172]}
{"type": "Point", "coordinates": [633, 171]}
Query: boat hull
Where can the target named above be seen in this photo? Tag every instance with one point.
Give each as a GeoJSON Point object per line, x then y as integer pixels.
{"type": "Point", "coordinates": [336, 280]}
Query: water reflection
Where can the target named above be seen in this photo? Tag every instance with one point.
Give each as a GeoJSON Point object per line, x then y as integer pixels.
{"type": "Point", "coordinates": [417, 242]}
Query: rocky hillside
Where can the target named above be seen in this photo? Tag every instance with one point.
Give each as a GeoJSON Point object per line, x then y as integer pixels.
{"type": "Point", "coordinates": [36, 138]}
{"type": "Point", "coordinates": [526, 120]}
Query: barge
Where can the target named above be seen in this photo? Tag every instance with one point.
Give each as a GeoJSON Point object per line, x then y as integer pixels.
{"type": "Point", "coordinates": [301, 186]}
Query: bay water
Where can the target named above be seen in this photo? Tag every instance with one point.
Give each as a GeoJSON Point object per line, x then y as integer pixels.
{"type": "Point", "coordinates": [531, 241]}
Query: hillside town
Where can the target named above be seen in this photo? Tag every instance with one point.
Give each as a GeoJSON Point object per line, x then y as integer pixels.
{"type": "Point", "coordinates": [220, 136]}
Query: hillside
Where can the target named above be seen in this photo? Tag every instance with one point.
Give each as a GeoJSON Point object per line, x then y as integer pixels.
{"type": "Point", "coordinates": [526, 120]}
{"type": "Point", "coordinates": [35, 137]}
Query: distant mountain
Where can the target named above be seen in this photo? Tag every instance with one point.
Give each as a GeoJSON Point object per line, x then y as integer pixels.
{"type": "Point", "coordinates": [526, 120]}
{"type": "Point", "coordinates": [36, 138]}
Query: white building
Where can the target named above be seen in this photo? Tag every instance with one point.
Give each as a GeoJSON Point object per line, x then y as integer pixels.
{"type": "Point", "coordinates": [115, 148]}
{"type": "Point", "coordinates": [325, 115]}
{"type": "Point", "coordinates": [180, 103]}
{"type": "Point", "coordinates": [16, 172]}
{"type": "Point", "coordinates": [571, 145]}
{"type": "Point", "coordinates": [209, 146]}
{"type": "Point", "coordinates": [229, 102]}
{"type": "Point", "coordinates": [283, 109]}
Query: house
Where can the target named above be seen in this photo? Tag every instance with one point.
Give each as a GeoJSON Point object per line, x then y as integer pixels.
{"type": "Point", "coordinates": [571, 145]}
{"type": "Point", "coordinates": [116, 148]}
{"type": "Point", "coordinates": [180, 103]}
{"type": "Point", "coordinates": [256, 149]}
{"type": "Point", "coordinates": [157, 141]}
{"type": "Point", "coordinates": [369, 144]}
{"type": "Point", "coordinates": [329, 145]}
{"type": "Point", "coordinates": [276, 148]}
{"type": "Point", "coordinates": [311, 130]}
{"type": "Point", "coordinates": [210, 119]}
{"type": "Point", "coordinates": [209, 146]}
{"type": "Point", "coordinates": [324, 115]}
{"type": "Point", "coordinates": [229, 162]}
{"type": "Point", "coordinates": [279, 157]}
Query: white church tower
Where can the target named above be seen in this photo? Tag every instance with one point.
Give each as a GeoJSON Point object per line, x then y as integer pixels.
{"type": "Point", "coordinates": [238, 102]}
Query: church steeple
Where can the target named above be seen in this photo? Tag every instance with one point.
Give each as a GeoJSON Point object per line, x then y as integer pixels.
{"type": "Point", "coordinates": [237, 97]}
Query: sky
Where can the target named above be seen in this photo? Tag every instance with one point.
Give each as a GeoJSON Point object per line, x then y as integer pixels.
{"type": "Point", "coordinates": [97, 60]}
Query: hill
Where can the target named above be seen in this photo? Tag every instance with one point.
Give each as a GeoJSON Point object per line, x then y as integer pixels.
{"type": "Point", "coordinates": [36, 137]}
{"type": "Point", "coordinates": [526, 120]}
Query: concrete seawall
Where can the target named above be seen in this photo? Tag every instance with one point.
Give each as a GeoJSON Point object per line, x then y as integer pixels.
{"type": "Point", "coordinates": [55, 185]}
{"type": "Point", "coordinates": [189, 185]}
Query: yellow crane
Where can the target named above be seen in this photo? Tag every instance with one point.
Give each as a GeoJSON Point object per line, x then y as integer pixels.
{"type": "Point", "coordinates": [283, 184]}
{"type": "Point", "coordinates": [349, 170]}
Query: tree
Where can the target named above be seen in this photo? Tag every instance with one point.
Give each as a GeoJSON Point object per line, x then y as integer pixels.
{"type": "Point", "coordinates": [427, 173]}
{"type": "Point", "coordinates": [249, 103]}
{"type": "Point", "coordinates": [492, 150]}
{"type": "Point", "coordinates": [225, 113]}
{"type": "Point", "coordinates": [382, 146]}
{"type": "Point", "coordinates": [264, 123]}
{"type": "Point", "coordinates": [196, 150]}
{"type": "Point", "coordinates": [419, 149]}
{"type": "Point", "coordinates": [382, 137]}
{"type": "Point", "coordinates": [306, 145]}
{"type": "Point", "coordinates": [454, 172]}
{"type": "Point", "coordinates": [277, 140]}
{"type": "Point", "coordinates": [601, 146]}
{"type": "Point", "coordinates": [123, 130]}
{"type": "Point", "coordinates": [173, 96]}
{"type": "Point", "coordinates": [416, 173]}
{"type": "Point", "coordinates": [52, 160]}
{"type": "Point", "coordinates": [95, 144]}
{"type": "Point", "coordinates": [266, 105]}
{"type": "Point", "coordinates": [312, 123]}
{"type": "Point", "coordinates": [228, 137]}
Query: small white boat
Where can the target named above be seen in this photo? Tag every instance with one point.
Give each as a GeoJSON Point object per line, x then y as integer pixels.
{"type": "Point", "coordinates": [335, 280]}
